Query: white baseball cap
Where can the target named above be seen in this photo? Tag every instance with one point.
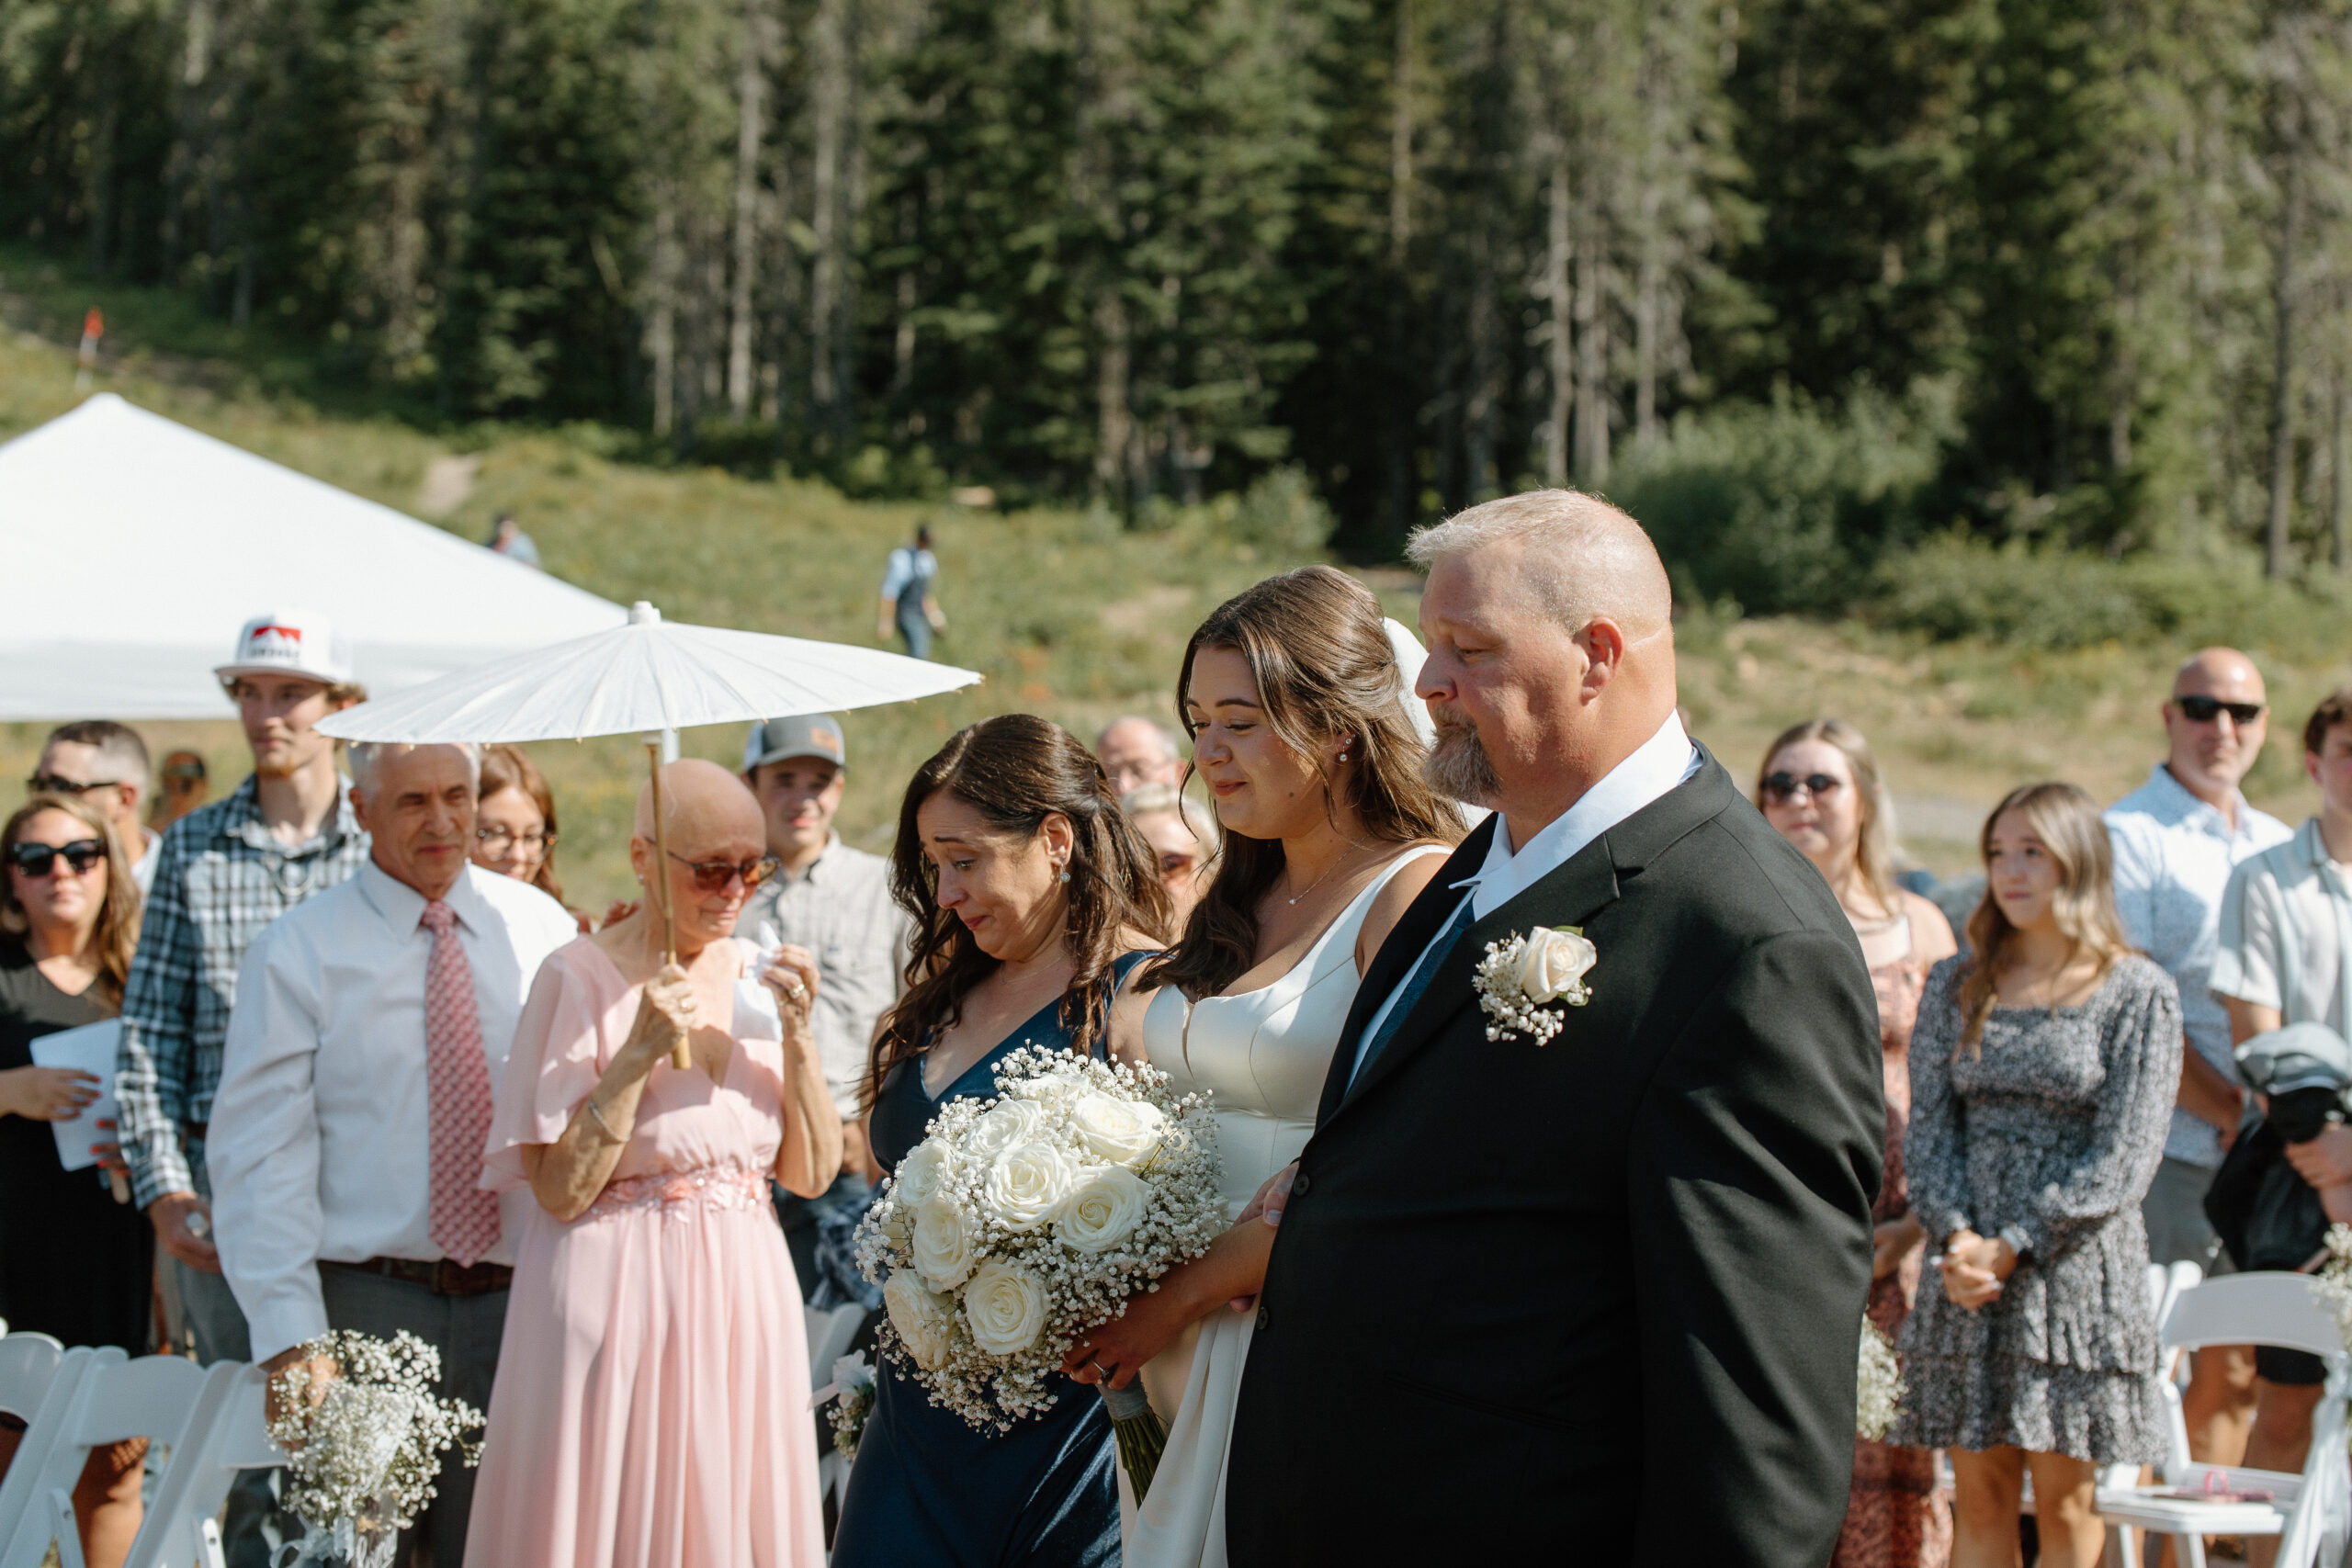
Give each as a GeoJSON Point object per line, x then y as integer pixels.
{"type": "Point", "coordinates": [290, 642]}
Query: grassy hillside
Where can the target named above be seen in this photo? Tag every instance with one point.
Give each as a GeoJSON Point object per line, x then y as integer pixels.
{"type": "Point", "coordinates": [1068, 616]}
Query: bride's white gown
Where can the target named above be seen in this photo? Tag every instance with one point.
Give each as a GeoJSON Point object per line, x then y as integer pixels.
{"type": "Point", "coordinates": [1265, 1054]}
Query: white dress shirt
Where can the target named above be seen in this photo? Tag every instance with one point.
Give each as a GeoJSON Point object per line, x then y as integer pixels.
{"type": "Point", "coordinates": [321, 1139]}
{"type": "Point", "coordinates": [1657, 765]}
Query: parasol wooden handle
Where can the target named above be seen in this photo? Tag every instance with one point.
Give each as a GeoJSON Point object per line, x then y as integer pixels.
{"type": "Point", "coordinates": [680, 1056]}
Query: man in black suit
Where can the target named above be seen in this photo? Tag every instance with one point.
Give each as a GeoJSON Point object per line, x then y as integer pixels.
{"type": "Point", "coordinates": [1595, 1299]}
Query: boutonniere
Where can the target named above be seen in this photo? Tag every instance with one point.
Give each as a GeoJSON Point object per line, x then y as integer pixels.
{"type": "Point", "coordinates": [1519, 977]}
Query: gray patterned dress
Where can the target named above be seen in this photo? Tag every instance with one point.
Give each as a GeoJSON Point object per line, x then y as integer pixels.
{"type": "Point", "coordinates": [2047, 1138]}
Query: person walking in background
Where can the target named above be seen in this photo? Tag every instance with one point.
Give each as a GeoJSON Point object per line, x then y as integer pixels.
{"type": "Point", "coordinates": [370, 1026]}
{"type": "Point", "coordinates": [223, 874]}
{"type": "Point", "coordinates": [181, 787]}
{"type": "Point", "coordinates": [1135, 752]}
{"type": "Point", "coordinates": [515, 827]}
{"type": "Point", "coordinates": [2177, 838]}
{"type": "Point", "coordinates": [74, 1262]}
{"type": "Point", "coordinates": [652, 1399]}
{"type": "Point", "coordinates": [831, 906]}
{"type": "Point", "coordinates": [1299, 719]}
{"type": "Point", "coordinates": [2043, 1067]}
{"type": "Point", "coordinates": [2284, 956]}
{"type": "Point", "coordinates": [97, 756]}
{"type": "Point", "coordinates": [1183, 833]}
{"type": "Point", "coordinates": [507, 538]}
{"type": "Point", "coordinates": [908, 603]}
{"type": "Point", "coordinates": [1032, 899]}
{"type": "Point", "coordinates": [1820, 788]}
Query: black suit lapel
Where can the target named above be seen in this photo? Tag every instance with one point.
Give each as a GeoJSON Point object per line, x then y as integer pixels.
{"type": "Point", "coordinates": [1413, 932]}
{"type": "Point", "coordinates": [1570, 895]}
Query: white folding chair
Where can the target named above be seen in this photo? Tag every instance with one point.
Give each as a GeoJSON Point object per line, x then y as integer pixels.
{"type": "Point", "coordinates": [165, 1399]}
{"type": "Point", "coordinates": [182, 1524]}
{"type": "Point", "coordinates": [831, 1330]}
{"type": "Point", "coordinates": [44, 1427]}
{"type": "Point", "coordinates": [28, 1365]}
{"type": "Point", "coordinates": [2311, 1513]}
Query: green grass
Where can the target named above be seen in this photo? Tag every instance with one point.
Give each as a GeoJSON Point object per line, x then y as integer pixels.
{"type": "Point", "coordinates": [1066, 616]}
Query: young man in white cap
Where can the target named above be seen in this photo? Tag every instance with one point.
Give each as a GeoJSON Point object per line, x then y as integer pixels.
{"type": "Point", "coordinates": [833, 902]}
{"type": "Point", "coordinates": [223, 873]}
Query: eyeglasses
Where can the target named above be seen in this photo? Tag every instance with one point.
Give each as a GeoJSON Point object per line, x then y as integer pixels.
{"type": "Point", "coordinates": [713, 876]}
{"type": "Point", "coordinates": [1781, 788]}
{"type": "Point", "coordinates": [39, 859]}
{"type": "Point", "coordinates": [49, 784]}
{"type": "Point", "coordinates": [2205, 710]}
{"type": "Point", "coordinates": [1173, 864]}
{"type": "Point", "coordinates": [497, 841]}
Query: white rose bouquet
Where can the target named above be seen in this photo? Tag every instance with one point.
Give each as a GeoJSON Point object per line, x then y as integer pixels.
{"type": "Point", "coordinates": [1021, 1222]}
{"type": "Point", "coordinates": [364, 1444]}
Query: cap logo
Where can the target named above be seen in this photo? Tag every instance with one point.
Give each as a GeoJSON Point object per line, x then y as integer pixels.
{"type": "Point", "coordinates": [828, 743]}
{"type": "Point", "coordinates": [264, 638]}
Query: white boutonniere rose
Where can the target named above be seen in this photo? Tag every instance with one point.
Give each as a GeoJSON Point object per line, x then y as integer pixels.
{"type": "Point", "coordinates": [1521, 977]}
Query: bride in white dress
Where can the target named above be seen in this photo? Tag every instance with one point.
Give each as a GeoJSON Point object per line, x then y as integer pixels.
{"type": "Point", "coordinates": [1298, 697]}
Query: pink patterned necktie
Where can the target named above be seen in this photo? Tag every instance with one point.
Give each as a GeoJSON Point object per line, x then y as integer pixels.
{"type": "Point", "coordinates": [464, 1222]}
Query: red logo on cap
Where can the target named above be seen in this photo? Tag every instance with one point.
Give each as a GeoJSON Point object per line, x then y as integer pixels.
{"type": "Point", "coordinates": [291, 634]}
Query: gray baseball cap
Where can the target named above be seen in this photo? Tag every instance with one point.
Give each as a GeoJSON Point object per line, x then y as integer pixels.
{"type": "Point", "coordinates": [802, 735]}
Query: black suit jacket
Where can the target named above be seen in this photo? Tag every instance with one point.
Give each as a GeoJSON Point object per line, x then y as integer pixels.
{"type": "Point", "coordinates": [1596, 1301]}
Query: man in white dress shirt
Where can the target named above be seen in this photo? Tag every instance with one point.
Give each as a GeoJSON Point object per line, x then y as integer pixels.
{"type": "Point", "coordinates": [369, 1026]}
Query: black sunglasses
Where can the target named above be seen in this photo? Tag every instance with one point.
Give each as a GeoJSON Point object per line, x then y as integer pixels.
{"type": "Point", "coordinates": [1779, 788]}
{"type": "Point", "coordinates": [2204, 710]}
{"type": "Point", "coordinates": [49, 784]}
{"type": "Point", "coordinates": [38, 860]}
{"type": "Point", "coordinates": [713, 876]}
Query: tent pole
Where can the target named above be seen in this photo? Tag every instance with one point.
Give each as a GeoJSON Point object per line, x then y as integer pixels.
{"type": "Point", "coordinates": [679, 1057]}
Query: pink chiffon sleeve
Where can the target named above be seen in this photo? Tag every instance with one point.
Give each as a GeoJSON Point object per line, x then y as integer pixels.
{"type": "Point", "coordinates": [560, 1052]}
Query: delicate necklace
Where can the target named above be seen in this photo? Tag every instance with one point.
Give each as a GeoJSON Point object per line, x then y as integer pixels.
{"type": "Point", "coordinates": [1337, 861]}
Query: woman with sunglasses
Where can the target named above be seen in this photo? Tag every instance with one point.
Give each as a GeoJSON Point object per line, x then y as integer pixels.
{"type": "Point", "coordinates": [1819, 786]}
{"type": "Point", "coordinates": [1183, 833]}
{"type": "Point", "coordinates": [651, 1407]}
{"type": "Point", "coordinates": [74, 1263]}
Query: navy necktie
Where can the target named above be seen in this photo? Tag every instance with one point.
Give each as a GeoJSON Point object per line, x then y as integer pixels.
{"type": "Point", "coordinates": [1424, 970]}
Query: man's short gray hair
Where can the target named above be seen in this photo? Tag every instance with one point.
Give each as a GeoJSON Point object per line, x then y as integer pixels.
{"type": "Point", "coordinates": [364, 756]}
{"type": "Point", "coordinates": [1171, 746]}
{"type": "Point", "coordinates": [1585, 558]}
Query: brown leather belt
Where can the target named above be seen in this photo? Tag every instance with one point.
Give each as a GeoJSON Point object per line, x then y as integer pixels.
{"type": "Point", "coordinates": [440, 1276]}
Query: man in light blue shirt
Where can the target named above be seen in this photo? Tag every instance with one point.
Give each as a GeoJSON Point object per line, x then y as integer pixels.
{"type": "Point", "coordinates": [908, 603]}
{"type": "Point", "coordinates": [2177, 838]}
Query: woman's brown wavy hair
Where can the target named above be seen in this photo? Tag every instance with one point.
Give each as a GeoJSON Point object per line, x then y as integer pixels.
{"type": "Point", "coordinates": [1320, 656]}
{"type": "Point", "coordinates": [504, 767]}
{"type": "Point", "coordinates": [117, 936]}
{"type": "Point", "coordinates": [2068, 822]}
{"type": "Point", "coordinates": [1017, 769]}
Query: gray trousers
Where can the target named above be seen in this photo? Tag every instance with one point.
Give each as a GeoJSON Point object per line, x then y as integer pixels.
{"type": "Point", "coordinates": [466, 1330]}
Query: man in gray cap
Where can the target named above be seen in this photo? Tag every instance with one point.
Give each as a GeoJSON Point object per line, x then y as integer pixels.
{"type": "Point", "coordinates": [834, 903]}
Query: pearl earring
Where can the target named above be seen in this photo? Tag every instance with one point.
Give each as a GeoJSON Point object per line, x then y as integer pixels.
{"type": "Point", "coordinates": [1061, 874]}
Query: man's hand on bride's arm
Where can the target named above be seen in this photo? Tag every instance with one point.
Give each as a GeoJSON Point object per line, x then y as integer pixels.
{"type": "Point", "coordinates": [1272, 1198]}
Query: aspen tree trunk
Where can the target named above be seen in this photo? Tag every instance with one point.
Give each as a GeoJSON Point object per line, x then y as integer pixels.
{"type": "Point", "coordinates": [749, 123]}
{"type": "Point", "coordinates": [1114, 425]}
{"type": "Point", "coordinates": [1398, 457]}
{"type": "Point", "coordinates": [1557, 254]}
{"type": "Point", "coordinates": [2282, 433]}
{"type": "Point", "coordinates": [662, 322]}
{"type": "Point", "coordinates": [831, 104]}
{"type": "Point", "coordinates": [1592, 345]}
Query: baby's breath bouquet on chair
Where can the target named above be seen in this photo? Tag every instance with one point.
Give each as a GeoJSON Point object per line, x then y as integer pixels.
{"type": "Point", "coordinates": [1878, 1389]}
{"type": "Point", "coordinates": [1021, 1222]}
{"type": "Point", "coordinates": [362, 1444]}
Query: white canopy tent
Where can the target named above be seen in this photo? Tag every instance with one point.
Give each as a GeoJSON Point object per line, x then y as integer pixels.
{"type": "Point", "coordinates": [136, 546]}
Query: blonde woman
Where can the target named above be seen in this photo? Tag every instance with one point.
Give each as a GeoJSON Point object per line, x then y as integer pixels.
{"type": "Point", "coordinates": [76, 1264]}
{"type": "Point", "coordinates": [2043, 1077]}
{"type": "Point", "coordinates": [1183, 836]}
{"type": "Point", "coordinates": [1819, 787]}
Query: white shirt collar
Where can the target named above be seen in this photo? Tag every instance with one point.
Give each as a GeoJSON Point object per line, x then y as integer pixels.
{"type": "Point", "coordinates": [1656, 766]}
{"type": "Point", "coordinates": [403, 906]}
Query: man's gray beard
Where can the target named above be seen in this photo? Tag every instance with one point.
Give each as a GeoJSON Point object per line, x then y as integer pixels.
{"type": "Point", "coordinates": [1459, 768]}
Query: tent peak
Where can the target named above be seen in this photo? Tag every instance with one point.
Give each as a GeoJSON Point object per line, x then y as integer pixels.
{"type": "Point", "coordinates": [643, 613]}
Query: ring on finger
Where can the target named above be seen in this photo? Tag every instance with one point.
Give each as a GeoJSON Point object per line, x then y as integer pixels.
{"type": "Point", "coordinates": [1100, 1370]}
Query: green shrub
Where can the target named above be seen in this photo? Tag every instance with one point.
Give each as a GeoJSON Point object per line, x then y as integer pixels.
{"type": "Point", "coordinates": [1782, 508]}
{"type": "Point", "coordinates": [1281, 514]}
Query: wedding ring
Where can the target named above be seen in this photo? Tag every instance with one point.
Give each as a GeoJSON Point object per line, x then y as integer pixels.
{"type": "Point", "coordinates": [1100, 1370]}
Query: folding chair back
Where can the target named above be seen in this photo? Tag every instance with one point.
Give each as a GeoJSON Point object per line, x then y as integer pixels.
{"type": "Point", "coordinates": [178, 1528]}
{"type": "Point", "coordinates": [831, 1330]}
{"type": "Point", "coordinates": [44, 1416]}
{"type": "Point", "coordinates": [2252, 1309]}
{"type": "Point", "coordinates": [165, 1399]}
{"type": "Point", "coordinates": [28, 1368]}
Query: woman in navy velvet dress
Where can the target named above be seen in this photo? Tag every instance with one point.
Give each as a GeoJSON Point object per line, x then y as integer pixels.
{"type": "Point", "coordinates": [1032, 899]}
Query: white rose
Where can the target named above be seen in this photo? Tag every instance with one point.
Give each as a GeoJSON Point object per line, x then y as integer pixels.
{"type": "Point", "coordinates": [1050, 1087]}
{"type": "Point", "coordinates": [1008, 1123]}
{"type": "Point", "coordinates": [920, 1174]}
{"type": "Point", "coordinates": [944, 1253]}
{"type": "Point", "coordinates": [1105, 1208]}
{"type": "Point", "coordinates": [1552, 963]}
{"type": "Point", "coordinates": [1121, 1130]}
{"type": "Point", "coordinates": [1026, 1185]}
{"type": "Point", "coordinates": [1005, 1307]}
{"type": "Point", "coordinates": [925, 1321]}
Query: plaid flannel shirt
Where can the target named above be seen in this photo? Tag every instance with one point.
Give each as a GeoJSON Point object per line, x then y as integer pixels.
{"type": "Point", "coordinates": [221, 877]}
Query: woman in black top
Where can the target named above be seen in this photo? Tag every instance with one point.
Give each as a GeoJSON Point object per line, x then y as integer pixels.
{"type": "Point", "coordinates": [73, 1263]}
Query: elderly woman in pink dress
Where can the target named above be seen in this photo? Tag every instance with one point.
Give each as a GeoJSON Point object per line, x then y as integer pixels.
{"type": "Point", "coordinates": [651, 1403]}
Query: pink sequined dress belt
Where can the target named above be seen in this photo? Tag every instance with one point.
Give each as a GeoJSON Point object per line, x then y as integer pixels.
{"type": "Point", "coordinates": [678, 1192]}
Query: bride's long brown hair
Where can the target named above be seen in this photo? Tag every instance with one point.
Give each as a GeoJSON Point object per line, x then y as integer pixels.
{"type": "Point", "coordinates": [1320, 657]}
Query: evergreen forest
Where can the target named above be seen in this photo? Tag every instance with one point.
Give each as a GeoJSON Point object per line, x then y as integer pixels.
{"type": "Point", "coordinates": [1822, 289]}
